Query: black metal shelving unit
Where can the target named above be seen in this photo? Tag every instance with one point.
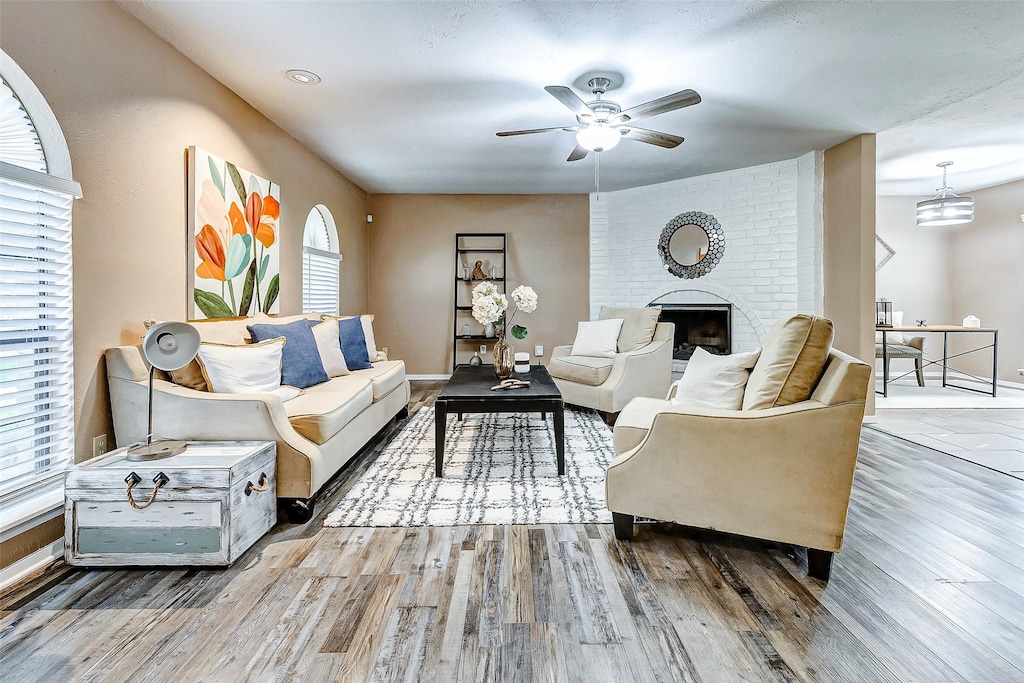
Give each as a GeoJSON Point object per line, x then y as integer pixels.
{"type": "Point", "coordinates": [467, 246]}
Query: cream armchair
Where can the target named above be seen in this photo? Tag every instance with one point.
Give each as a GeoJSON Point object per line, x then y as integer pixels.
{"type": "Point", "coordinates": [781, 473]}
{"type": "Point", "coordinates": [608, 384]}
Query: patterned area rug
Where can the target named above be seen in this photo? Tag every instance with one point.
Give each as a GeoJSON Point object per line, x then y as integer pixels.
{"type": "Point", "coordinates": [498, 469]}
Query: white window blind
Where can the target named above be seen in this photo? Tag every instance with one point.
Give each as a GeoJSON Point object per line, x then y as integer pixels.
{"type": "Point", "coordinates": [320, 265]}
{"type": "Point", "coordinates": [36, 359]}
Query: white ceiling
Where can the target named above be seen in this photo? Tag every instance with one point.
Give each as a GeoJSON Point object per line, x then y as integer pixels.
{"type": "Point", "coordinates": [413, 92]}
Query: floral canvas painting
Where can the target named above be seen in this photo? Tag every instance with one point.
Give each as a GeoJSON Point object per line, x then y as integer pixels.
{"type": "Point", "coordinates": [234, 237]}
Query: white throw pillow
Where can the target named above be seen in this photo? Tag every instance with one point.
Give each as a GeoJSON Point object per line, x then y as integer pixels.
{"type": "Point", "coordinates": [893, 337]}
{"type": "Point", "coordinates": [711, 381]}
{"type": "Point", "coordinates": [597, 339]}
{"type": "Point", "coordinates": [325, 335]}
{"type": "Point", "coordinates": [249, 369]}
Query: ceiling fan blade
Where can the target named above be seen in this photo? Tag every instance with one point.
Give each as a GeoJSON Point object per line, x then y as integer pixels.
{"type": "Point", "coordinates": [506, 133]}
{"type": "Point", "coordinates": [683, 98]}
{"type": "Point", "coordinates": [578, 153]}
{"type": "Point", "coordinates": [570, 99]}
{"type": "Point", "coordinates": [652, 137]}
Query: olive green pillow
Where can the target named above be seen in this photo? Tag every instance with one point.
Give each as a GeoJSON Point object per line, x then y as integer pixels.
{"type": "Point", "coordinates": [637, 325]}
{"type": "Point", "coordinates": [790, 364]}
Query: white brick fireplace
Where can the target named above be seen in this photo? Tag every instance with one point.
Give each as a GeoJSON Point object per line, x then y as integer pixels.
{"type": "Point", "coordinates": [772, 219]}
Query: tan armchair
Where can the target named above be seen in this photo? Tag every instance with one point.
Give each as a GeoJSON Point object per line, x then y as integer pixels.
{"type": "Point", "coordinates": [782, 473]}
{"type": "Point", "coordinates": [608, 384]}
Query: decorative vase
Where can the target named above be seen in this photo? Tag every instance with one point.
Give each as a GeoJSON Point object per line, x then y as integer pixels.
{"type": "Point", "coordinates": [502, 359]}
{"type": "Point", "coordinates": [475, 360]}
{"type": "Point", "coordinates": [489, 330]}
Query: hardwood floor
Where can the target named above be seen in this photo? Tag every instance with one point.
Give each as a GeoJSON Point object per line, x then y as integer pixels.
{"type": "Point", "coordinates": [929, 587]}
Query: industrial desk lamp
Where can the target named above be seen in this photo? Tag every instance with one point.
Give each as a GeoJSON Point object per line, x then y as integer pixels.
{"type": "Point", "coordinates": [167, 346]}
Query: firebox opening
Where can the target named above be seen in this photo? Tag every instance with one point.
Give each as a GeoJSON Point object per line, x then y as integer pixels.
{"type": "Point", "coordinates": [705, 325]}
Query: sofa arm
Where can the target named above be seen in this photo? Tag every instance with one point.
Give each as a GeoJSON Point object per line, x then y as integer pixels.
{"type": "Point", "coordinates": [783, 474]}
{"type": "Point", "coordinates": [182, 413]}
{"type": "Point", "coordinates": [560, 351]}
{"type": "Point", "coordinates": [646, 371]}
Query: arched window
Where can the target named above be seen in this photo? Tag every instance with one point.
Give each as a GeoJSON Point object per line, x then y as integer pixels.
{"type": "Point", "coordinates": [320, 262]}
{"type": "Point", "coordinates": [36, 383]}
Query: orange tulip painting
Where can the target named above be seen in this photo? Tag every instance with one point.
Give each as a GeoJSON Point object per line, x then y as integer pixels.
{"type": "Point", "coordinates": [234, 255]}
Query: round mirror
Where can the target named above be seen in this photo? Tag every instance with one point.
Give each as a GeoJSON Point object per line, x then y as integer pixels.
{"type": "Point", "coordinates": [691, 244]}
{"type": "Point", "coordinates": [688, 245]}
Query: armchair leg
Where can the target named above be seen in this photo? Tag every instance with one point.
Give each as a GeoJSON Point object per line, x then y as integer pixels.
{"type": "Point", "coordinates": [819, 564]}
{"type": "Point", "coordinates": [919, 367]}
{"type": "Point", "coordinates": [623, 526]}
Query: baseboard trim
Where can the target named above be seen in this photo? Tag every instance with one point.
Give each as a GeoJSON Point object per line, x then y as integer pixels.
{"type": "Point", "coordinates": [413, 378]}
{"type": "Point", "coordinates": [17, 571]}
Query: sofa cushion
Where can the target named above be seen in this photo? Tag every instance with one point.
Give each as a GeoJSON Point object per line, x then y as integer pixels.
{"type": "Point", "coordinates": [597, 339]}
{"type": "Point", "coordinates": [328, 344]}
{"type": "Point", "coordinates": [245, 369]}
{"type": "Point", "coordinates": [366, 321]}
{"type": "Point", "coordinates": [301, 366]}
{"type": "Point", "coordinates": [791, 362]}
{"type": "Point", "coordinates": [323, 410]}
{"type": "Point", "coordinates": [712, 381]}
{"type": "Point", "coordinates": [385, 376]}
{"type": "Point", "coordinates": [637, 325]}
{"type": "Point", "coordinates": [581, 369]}
{"type": "Point", "coordinates": [190, 376]}
{"type": "Point", "coordinates": [353, 344]}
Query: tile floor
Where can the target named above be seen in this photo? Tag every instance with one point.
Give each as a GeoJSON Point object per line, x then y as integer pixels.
{"type": "Point", "coordinates": [992, 437]}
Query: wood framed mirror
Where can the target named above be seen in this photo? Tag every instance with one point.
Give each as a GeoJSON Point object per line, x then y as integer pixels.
{"type": "Point", "coordinates": [691, 244]}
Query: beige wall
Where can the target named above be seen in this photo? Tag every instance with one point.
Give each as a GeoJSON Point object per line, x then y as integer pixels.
{"type": "Point", "coordinates": [987, 266]}
{"type": "Point", "coordinates": [129, 104]}
{"type": "Point", "coordinates": [849, 247]}
{"type": "Point", "coordinates": [412, 268]}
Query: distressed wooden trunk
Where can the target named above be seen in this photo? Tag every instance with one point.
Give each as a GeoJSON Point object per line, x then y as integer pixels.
{"type": "Point", "coordinates": [208, 512]}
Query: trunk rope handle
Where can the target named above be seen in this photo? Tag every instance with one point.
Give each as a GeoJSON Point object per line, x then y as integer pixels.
{"type": "Point", "coordinates": [132, 479]}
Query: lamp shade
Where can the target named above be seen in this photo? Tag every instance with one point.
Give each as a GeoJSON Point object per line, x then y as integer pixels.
{"type": "Point", "coordinates": [947, 210]}
{"type": "Point", "coordinates": [171, 345]}
{"type": "Point", "coordinates": [598, 137]}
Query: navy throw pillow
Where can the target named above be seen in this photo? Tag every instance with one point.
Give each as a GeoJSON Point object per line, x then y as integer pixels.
{"type": "Point", "coordinates": [353, 344]}
{"type": "Point", "coordinates": [300, 362]}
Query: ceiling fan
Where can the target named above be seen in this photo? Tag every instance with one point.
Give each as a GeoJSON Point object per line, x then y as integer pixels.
{"type": "Point", "coordinates": [602, 123]}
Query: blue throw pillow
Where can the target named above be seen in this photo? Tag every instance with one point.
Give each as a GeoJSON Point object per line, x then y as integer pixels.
{"type": "Point", "coordinates": [300, 363]}
{"type": "Point", "coordinates": [353, 344]}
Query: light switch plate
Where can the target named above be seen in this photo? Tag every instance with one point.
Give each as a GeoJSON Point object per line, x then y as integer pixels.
{"type": "Point", "coordinates": [538, 351]}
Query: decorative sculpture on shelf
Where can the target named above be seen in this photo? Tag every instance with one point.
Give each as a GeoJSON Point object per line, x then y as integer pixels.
{"type": "Point", "coordinates": [478, 271]}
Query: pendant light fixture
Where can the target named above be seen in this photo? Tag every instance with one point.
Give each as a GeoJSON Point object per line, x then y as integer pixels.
{"type": "Point", "coordinates": [946, 208]}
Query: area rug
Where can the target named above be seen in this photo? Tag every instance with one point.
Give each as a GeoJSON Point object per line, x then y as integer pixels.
{"type": "Point", "coordinates": [498, 469]}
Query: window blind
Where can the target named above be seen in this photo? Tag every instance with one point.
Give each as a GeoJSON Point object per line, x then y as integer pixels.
{"type": "Point", "coordinates": [320, 281]}
{"type": "Point", "coordinates": [36, 361]}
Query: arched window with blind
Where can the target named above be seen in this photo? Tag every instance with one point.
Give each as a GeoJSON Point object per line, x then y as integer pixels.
{"type": "Point", "coordinates": [320, 263]}
{"type": "Point", "coordinates": [36, 359]}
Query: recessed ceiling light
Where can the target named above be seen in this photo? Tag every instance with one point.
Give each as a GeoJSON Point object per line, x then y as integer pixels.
{"type": "Point", "coordinates": [302, 76]}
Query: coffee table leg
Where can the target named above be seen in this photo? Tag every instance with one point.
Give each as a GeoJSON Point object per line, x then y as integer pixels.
{"type": "Point", "coordinates": [440, 420]}
{"type": "Point", "coordinates": [560, 436]}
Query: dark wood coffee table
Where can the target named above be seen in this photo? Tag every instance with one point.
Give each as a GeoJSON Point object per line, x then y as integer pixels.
{"type": "Point", "coordinates": [469, 391]}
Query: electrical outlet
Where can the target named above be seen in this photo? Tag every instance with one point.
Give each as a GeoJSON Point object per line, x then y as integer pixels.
{"type": "Point", "coordinates": [99, 445]}
{"type": "Point", "coordinates": [483, 349]}
{"type": "Point", "coordinates": [538, 351]}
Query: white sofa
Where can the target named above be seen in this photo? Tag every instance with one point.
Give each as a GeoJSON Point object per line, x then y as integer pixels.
{"type": "Point", "coordinates": [317, 433]}
{"type": "Point", "coordinates": [641, 367]}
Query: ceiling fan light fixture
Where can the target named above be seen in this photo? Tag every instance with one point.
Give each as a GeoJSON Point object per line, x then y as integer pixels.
{"type": "Point", "coordinates": [945, 208]}
{"type": "Point", "coordinates": [598, 137]}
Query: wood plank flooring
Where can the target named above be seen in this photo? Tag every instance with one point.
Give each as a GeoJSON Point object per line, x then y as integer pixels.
{"type": "Point", "coordinates": [929, 587]}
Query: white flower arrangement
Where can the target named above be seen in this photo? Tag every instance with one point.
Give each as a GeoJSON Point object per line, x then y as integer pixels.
{"type": "Point", "coordinates": [490, 305]}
